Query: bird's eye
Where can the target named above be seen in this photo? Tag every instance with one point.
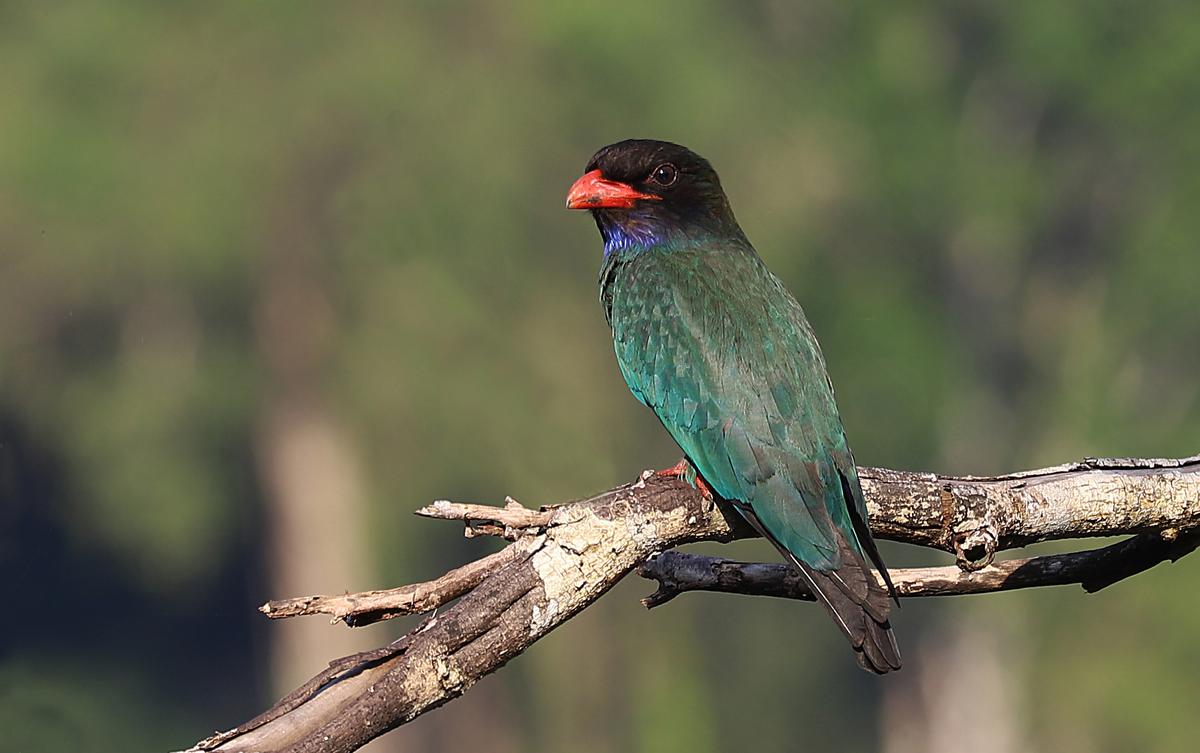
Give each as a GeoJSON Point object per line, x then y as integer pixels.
{"type": "Point", "coordinates": [665, 174]}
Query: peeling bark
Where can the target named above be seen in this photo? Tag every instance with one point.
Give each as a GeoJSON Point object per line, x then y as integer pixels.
{"type": "Point", "coordinates": [565, 557]}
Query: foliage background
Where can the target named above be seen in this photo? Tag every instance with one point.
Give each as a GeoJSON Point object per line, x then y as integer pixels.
{"type": "Point", "coordinates": [273, 275]}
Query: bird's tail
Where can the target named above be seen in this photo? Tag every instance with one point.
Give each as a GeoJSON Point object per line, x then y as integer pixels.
{"type": "Point", "coordinates": [855, 600]}
{"type": "Point", "coordinates": [860, 608]}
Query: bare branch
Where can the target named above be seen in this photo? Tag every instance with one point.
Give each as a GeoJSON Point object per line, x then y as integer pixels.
{"type": "Point", "coordinates": [566, 557]}
{"type": "Point", "coordinates": [1094, 569]}
{"type": "Point", "coordinates": [976, 516]}
{"type": "Point", "coordinates": [508, 522]}
{"type": "Point", "coordinates": [368, 607]}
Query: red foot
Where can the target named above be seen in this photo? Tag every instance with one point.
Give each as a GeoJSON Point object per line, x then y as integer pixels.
{"type": "Point", "coordinates": [680, 470]}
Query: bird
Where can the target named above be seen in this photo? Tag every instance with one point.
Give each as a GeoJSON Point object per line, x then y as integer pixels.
{"type": "Point", "coordinates": [713, 343]}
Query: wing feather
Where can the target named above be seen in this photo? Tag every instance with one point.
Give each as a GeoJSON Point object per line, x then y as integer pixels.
{"type": "Point", "coordinates": [714, 344]}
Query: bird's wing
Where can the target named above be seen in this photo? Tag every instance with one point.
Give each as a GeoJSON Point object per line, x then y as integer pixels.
{"type": "Point", "coordinates": [723, 355]}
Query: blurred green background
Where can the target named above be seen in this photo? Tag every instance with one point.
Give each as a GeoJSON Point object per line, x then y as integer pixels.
{"type": "Point", "coordinates": [272, 275]}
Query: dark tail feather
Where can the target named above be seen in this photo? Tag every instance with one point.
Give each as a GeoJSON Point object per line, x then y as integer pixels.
{"type": "Point", "coordinates": [855, 600]}
{"type": "Point", "coordinates": [863, 618]}
{"type": "Point", "coordinates": [863, 532]}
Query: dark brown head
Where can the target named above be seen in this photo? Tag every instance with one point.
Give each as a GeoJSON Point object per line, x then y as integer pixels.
{"type": "Point", "coordinates": [644, 192]}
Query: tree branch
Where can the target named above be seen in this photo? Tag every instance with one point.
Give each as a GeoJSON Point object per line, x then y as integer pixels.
{"type": "Point", "coordinates": [1094, 569]}
{"type": "Point", "coordinates": [367, 607]}
{"type": "Point", "coordinates": [565, 557]}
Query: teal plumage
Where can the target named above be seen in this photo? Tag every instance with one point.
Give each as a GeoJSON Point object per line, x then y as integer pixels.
{"type": "Point", "coordinates": [695, 332]}
{"type": "Point", "coordinates": [712, 342]}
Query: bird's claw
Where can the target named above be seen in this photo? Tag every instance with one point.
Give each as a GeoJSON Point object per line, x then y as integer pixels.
{"type": "Point", "coordinates": [686, 471]}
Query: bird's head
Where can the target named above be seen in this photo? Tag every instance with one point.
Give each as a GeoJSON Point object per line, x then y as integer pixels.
{"type": "Point", "coordinates": [644, 192]}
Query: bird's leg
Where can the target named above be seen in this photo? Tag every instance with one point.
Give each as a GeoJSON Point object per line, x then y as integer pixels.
{"type": "Point", "coordinates": [686, 471]}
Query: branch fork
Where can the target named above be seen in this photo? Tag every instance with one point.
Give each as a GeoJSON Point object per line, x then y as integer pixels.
{"type": "Point", "coordinates": [563, 558]}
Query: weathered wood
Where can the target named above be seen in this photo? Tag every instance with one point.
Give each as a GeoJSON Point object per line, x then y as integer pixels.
{"type": "Point", "coordinates": [1094, 569]}
{"type": "Point", "coordinates": [367, 607]}
{"type": "Point", "coordinates": [976, 516]}
{"type": "Point", "coordinates": [566, 557]}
